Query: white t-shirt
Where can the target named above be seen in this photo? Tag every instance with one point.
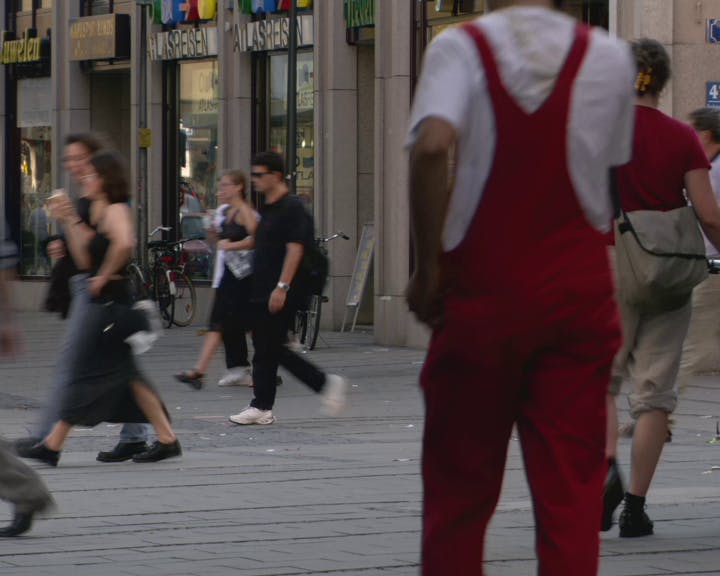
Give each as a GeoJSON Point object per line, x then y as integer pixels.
{"type": "Point", "coordinates": [710, 249]}
{"type": "Point", "coordinates": [529, 45]}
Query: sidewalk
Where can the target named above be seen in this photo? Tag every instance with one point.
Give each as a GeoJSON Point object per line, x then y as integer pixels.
{"type": "Point", "coordinates": [309, 494]}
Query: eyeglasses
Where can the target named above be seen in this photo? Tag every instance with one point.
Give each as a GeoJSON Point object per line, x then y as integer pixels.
{"type": "Point", "coordinates": [258, 174]}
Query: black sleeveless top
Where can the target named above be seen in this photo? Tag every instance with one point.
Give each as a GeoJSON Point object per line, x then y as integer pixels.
{"type": "Point", "coordinates": [116, 289]}
{"type": "Point", "coordinates": [232, 230]}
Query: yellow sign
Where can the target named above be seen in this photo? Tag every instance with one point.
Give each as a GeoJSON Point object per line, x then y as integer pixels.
{"type": "Point", "coordinates": [18, 51]}
{"type": "Point", "coordinates": [145, 138]}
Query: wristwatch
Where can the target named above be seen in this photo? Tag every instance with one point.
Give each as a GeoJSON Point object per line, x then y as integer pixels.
{"type": "Point", "coordinates": [284, 286]}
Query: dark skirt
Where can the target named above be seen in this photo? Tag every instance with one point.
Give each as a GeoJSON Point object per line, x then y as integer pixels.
{"type": "Point", "coordinates": [103, 369]}
{"type": "Point", "coordinates": [231, 303]}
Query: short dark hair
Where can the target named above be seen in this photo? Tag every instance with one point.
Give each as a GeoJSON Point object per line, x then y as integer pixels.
{"type": "Point", "coordinates": [653, 66]}
{"type": "Point", "coordinates": [271, 160]}
{"type": "Point", "coordinates": [110, 168]}
{"type": "Point", "coordinates": [90, 141]}
{"type": "Point", "coordinates": [707, 119]}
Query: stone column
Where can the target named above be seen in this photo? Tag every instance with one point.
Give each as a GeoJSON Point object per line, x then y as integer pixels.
{"type": "Point", "coordinates": [71, 89]}
{"type": "Point", "coordinates": [336, 153]}
{"type": "Point", "coordinates": [235, 93]}
{"type": "Point", "coordinates": [155, 123]}
{"type": "Point", "coordinates": [393, 323]}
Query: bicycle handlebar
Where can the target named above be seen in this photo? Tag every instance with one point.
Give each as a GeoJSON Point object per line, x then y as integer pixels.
{"type": "Point", "coordinates": [338, 234]}
{"type": "Point", "coordinates": [160, 229]}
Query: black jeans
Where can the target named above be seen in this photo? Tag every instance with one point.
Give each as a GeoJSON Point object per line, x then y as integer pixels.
{"type": "Point", "coordinates": [269, 338]}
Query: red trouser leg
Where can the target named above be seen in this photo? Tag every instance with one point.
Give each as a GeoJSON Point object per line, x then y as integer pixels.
{"type": "Point", "coordinates": [487, 368]}
{"type": "Point", "coordinates": [562, 433]}
{"type": "Point", "coordinates": [471, 405]}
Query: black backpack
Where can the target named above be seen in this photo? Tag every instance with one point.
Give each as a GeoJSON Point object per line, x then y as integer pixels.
{"type": "Point", "coordinates": [314, 266]}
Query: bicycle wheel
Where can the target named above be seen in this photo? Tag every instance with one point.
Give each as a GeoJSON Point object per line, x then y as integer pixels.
{"type": "Point", "coordinates": [136, 279]}
{"type": "Point", "coordinates": [164, 296]}
{"type": "Point", "coordinates": [313, 321]}
{"type": "Point", "coordinates": [300, 326]}
{"type": "Point", "coordinates": [185, 299]}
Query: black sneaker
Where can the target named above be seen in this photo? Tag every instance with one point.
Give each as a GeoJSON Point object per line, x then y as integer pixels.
{"type": "Point", "coordinates": [122, 452]}
{"type": "Point", "coordinates": [40, 452]}
{"type": "Point", "coordinates": [159, 451]}
{"type": "Point", "coordinates": [613, 494]}
{"type": "Point", "coordinates": [634, 523]}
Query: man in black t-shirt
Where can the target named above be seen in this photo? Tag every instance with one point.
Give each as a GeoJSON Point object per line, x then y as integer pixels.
{"type": "Point", "coordinates": [282, 233]}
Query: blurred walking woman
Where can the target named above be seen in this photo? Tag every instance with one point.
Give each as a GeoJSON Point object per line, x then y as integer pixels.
{"type": "Point", "coordinates": [106, 385]}
{"type": "Point", "coordinates": [667, 160]}
{"type": "Point", "coordinates": [229, 315]}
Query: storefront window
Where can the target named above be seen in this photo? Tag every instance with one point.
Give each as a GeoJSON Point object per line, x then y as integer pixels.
{"type": "Point", "coordinates": [35, 172]}
{"type": "Point", "coordinates": [593, 12]}
{"type": "Point", "coordinates": [305, 139]}
{"type": "Point", "coordinates": [198, 136]}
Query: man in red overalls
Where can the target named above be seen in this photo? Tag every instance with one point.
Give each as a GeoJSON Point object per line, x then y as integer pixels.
{"type": "Point", "coordinates": [512, 275]}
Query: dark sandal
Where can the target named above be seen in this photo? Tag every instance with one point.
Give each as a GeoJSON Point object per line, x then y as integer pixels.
{"type": "Point", "coordinates": [192, 378]}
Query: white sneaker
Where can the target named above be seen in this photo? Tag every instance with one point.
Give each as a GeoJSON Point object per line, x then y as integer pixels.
{"type": "Point", "coordinates": [237, 377]}
{"type": "Point", "coordinates": [293, 343]}
{"type": "Point", "coordinates": [252, 415]}
{"type": "Point", "coordinates": [334, 395]}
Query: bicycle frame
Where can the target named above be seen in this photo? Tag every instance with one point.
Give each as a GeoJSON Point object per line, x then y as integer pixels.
{"type": "Point", "coordinates": [307, 322]}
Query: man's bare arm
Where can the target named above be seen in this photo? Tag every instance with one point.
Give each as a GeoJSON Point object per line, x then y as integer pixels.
{"type": "Point", "coordinates": [429, 196]}
{"type": "Point", "coordinates": [293, 255]}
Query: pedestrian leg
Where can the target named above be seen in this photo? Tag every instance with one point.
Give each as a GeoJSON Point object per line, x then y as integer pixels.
{"type": "Point", "coordinates": [562, 430]}
{"type": "Point", "coordinates": [464, 452]}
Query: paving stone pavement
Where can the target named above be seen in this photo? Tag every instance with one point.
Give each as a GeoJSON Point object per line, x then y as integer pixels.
{"type": "Point", "coordinates": [309, 495]}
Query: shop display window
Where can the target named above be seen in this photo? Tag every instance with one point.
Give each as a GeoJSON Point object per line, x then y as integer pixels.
{"type": "Point", "coordinates": [305, 136]}
{"type": "Point", "coordinates": [198, 142]}
{"type": "Point", "coordinates": [35, 173]}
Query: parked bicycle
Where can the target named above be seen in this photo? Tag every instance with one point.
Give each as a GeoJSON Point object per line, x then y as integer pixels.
{"type": "Point", "coordinates": [165, 281]}
{"type": "Point", "coordinates": [307, 321]}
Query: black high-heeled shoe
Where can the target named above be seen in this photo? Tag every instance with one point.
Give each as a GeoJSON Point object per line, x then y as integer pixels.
{"type": "Point", "coordinates": [192, 378]}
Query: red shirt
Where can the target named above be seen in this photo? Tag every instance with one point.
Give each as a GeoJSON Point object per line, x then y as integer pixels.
{"type": "Point", "coordinates": [664, 150]}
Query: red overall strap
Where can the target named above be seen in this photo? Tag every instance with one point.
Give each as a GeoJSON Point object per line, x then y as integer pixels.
{"type": "Point", "coordinates": [499, 94]}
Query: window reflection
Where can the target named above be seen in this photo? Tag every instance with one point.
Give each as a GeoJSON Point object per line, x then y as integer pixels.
{"type": "Point", "coordinates": [198, 133]}
{"type": "Point", "coordinates": [35, 169]}
{"type": "Point", "coordinates": [305, 135]}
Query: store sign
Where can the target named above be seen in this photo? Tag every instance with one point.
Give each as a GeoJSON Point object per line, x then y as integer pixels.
{"type": "Point", "coordinates": [272, 34]}
{"type": "Point", "coordinates": [23, 51]}
{"type": "Point", "coordinates": [104, 37]}
{"type": "Point", "coordinates": [184, 43]}
{"type": "Point", "coordinates": [712, 27]}
{"type": "Point", "coordinates": [359, 13]}
{"type": "Point", "coordinates": [712, 94]}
